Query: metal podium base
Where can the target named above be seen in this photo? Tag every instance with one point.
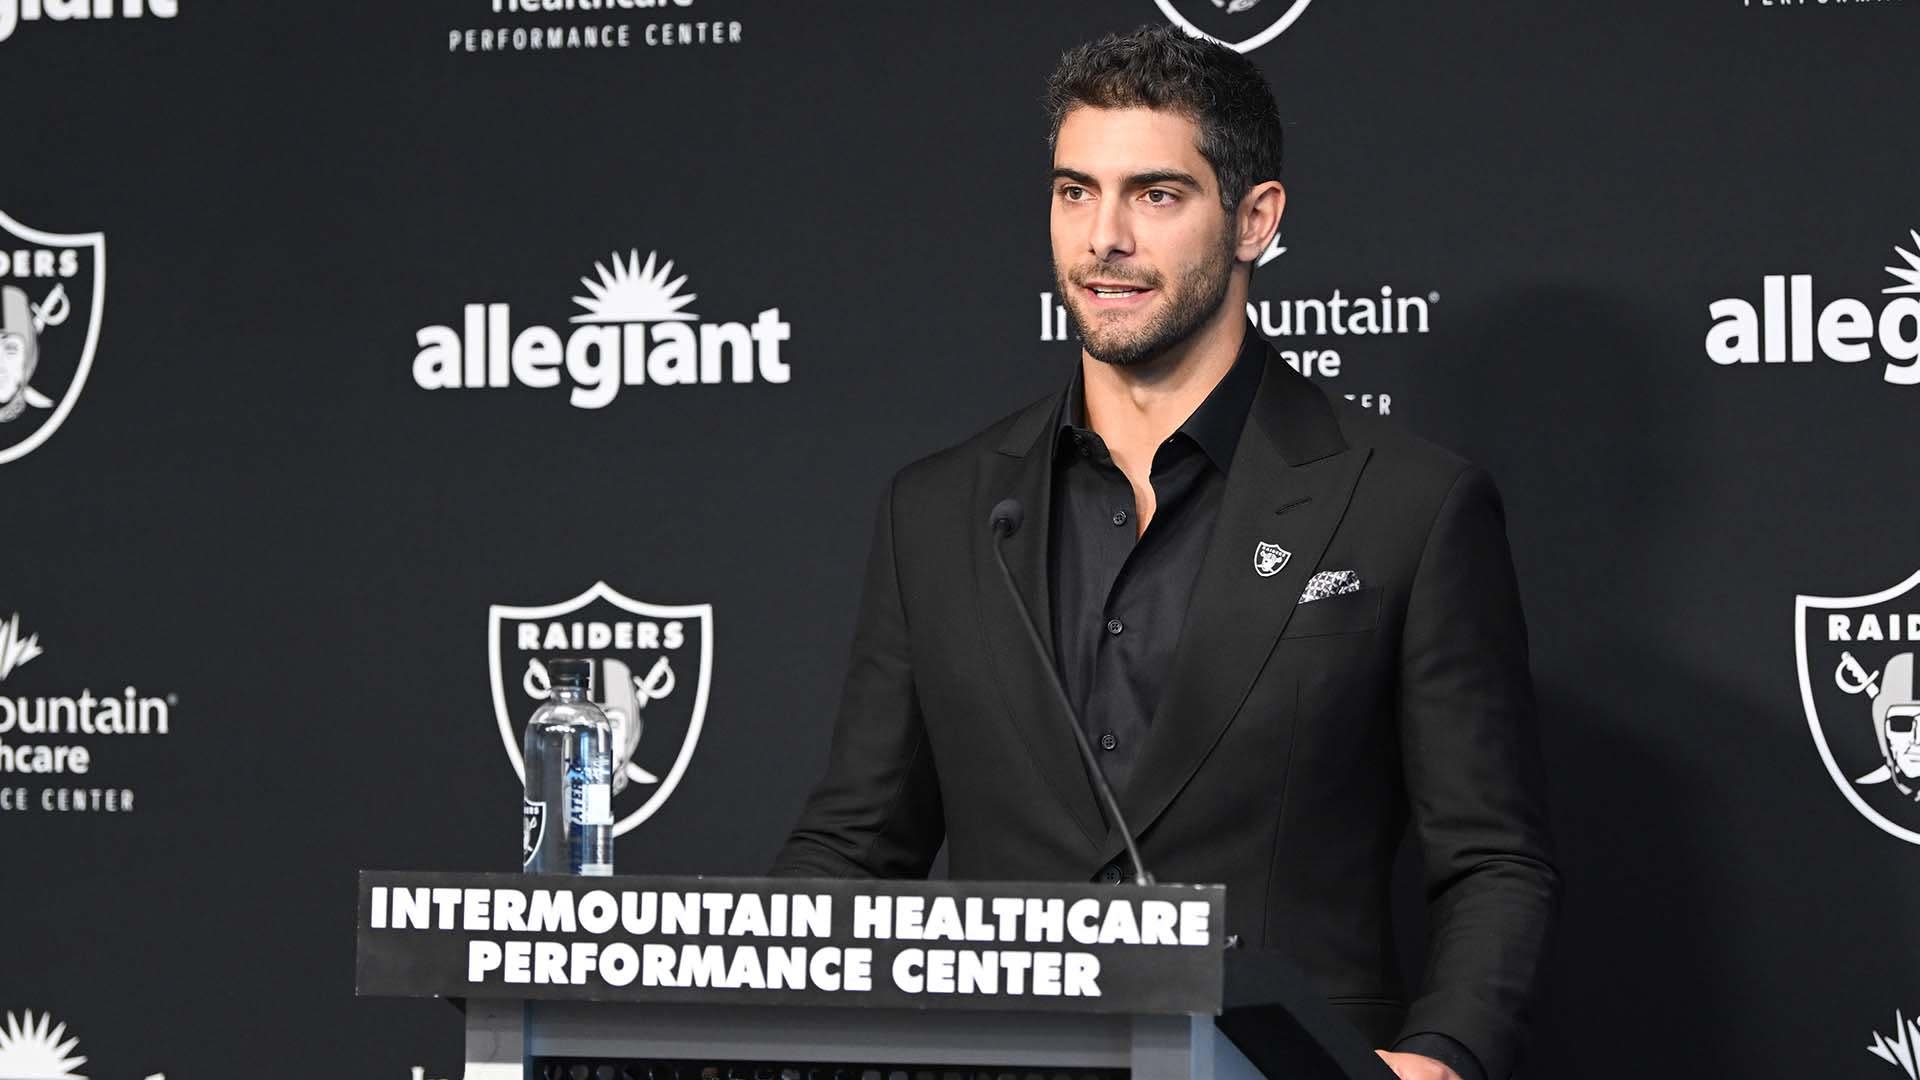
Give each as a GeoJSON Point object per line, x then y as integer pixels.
{"type": "Point", "coordinates": [502, 1036]}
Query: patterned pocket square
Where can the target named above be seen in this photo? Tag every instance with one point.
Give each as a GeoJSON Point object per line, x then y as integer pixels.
{"type": "Point", "coordinates": [1329, 583]}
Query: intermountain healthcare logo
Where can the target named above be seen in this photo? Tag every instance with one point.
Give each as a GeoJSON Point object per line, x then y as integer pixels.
{"type": "Point", "coordinates": [45, 353]}
{"type": "Point", "coordinates": [61, 733]}
{"type": "Point", "coordinates": [39, 1050]}
{"type": "Point", "coordinates": [652, 669]}
{"type": "Point", "coordinates": [15, 12]}
{"type": "Point", "coordinates": [1333, 325]}
{"type": "Point", "coordinates": [1858, 683]}
{"type": "Point", "coordinates": [632, 331]}
{"type": "Point", "coordinates": [516, 34]}
{"type": "Point", "coordinates": [1786, 327]}
{"type": "Point", "coordinates": [1240, 25]}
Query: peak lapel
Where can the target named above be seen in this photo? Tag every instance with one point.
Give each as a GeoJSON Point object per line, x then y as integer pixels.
{"type": "Point", "coordinates": [1287, 490]}
{"type": "Point", "coordinates": [1022, 468]}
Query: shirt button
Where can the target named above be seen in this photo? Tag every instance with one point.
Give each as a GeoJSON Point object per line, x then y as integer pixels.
{"type": "Point", "coordinates": [1110, 874]}
{"type": "Point", "coordinates": [1109, 741]}
{"type": "Point", "coordinates": [1119, 517]}
{"type": "Point", "coordinates": [1114, 626]}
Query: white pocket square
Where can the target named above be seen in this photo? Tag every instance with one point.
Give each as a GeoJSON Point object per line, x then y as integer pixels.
{"type": "Point", "coordinates": [1329, 583]}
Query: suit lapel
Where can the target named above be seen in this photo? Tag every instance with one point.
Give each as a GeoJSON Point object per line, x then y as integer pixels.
{"type": "Point", "coordinates": [1289, 484]}
{"type": "Point", "coordinates": [1022, 468]}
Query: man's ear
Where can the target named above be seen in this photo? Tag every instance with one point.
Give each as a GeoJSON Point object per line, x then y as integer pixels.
{"type": "Point", "coordinates": [1257, 219]}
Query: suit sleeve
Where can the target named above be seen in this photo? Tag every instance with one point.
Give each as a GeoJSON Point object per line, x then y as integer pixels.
{"type": "Point", "coordinates": [877, 811]}
{"type": "Point", "coordinates": [1471, 754]}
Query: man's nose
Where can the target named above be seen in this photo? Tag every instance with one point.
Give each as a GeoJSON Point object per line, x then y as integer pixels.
{"type": "Point", "coordinates": [1112, 231]}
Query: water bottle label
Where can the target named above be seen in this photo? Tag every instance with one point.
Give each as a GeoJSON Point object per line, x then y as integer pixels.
{"type": "Point", "coordinates": [589, 796]}
{"type": "Point", "coordinates": [599, 804]}
{"type": "Point", "coordinates": [533, 826]}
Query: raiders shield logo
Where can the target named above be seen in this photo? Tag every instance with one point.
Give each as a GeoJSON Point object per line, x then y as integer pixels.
{"type": "Point", "coordinates": [1858, 683]}
{"type": "Point", "coordinates": [533, 828]}
{"type": "Point", "coordinates": [652, 666]}
{"type": "Point", "coordinates": [52, 291]}
{"type": "Point", "coordinates": [1240, 25]}
{"type": "Point", "coordinates": [1269, 559]}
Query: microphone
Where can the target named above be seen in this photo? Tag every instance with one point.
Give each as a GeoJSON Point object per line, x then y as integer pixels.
{"type": "Point", "coordinates": [1005, 520]}
{"type": "Point", "coordinates": [1007, 514]}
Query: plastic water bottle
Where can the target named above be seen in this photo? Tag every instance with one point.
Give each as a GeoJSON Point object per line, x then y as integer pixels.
{"type": "Point", "coordinates": [567, 824]}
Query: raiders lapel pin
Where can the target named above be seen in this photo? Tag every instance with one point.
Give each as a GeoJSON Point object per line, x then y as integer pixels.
{"type": "Point", "coordinates": [1270, 559]}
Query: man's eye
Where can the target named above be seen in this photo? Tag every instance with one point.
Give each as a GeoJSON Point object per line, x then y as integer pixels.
{"type": "Point", "coordinates": [1159, 198]}
{"type": "Point", "coordinates": [1072, 193]}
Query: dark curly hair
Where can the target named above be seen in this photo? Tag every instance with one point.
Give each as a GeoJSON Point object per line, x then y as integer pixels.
{"type": "Point", "coordinates": [1159, 67]}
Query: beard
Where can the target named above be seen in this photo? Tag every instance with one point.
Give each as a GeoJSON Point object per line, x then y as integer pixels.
{"type": "Point", "coordinates": [1199, 290]}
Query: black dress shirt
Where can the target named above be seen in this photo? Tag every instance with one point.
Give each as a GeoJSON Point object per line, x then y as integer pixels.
{"type": "Point", "coordinates": [1119, 603]}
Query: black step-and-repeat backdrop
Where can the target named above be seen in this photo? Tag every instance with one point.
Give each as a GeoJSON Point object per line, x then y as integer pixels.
{"type": "Point", "coordinates": [357, 358]}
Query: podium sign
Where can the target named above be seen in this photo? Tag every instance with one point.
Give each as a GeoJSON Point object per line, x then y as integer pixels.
{"type": "Point", "coordinates": [1030, 946]}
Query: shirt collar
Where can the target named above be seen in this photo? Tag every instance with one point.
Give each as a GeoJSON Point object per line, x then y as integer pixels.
{"type": "Point", "coordinates": [1214, 426]}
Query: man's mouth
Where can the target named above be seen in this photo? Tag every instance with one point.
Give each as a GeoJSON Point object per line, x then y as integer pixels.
{"type": "Point", "coordinates": [1109, 293]}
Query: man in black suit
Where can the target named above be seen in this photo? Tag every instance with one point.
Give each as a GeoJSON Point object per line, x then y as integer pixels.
{"type": "Point", "coordinates": [1285, 624]}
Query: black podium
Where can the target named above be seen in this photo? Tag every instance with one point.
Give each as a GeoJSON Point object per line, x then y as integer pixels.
{"type": "Point", "coordinates": [788, 979]}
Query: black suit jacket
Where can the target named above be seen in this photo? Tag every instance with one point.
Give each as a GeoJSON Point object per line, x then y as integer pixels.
{"type": "Point", "coordinates": [1292, 740]}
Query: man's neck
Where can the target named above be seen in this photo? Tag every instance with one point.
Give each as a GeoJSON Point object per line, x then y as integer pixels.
{"type": "Point", "coordinates": [1134, 409]}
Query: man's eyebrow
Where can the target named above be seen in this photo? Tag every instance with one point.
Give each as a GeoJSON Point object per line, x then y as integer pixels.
{"type": "Point", "coordinates": [1134, 180]}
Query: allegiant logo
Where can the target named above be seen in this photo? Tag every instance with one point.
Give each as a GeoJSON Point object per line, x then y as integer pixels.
{"type": "Point", "coordinates": [15, 12]}
{"type": "Point", "coordinates": [1790, 327]}
{"type": "Point", "coordinates": [635, 333]}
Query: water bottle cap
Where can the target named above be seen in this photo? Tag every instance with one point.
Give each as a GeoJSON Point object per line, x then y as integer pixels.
{"type": "Point", "coordinates": [572, 673]}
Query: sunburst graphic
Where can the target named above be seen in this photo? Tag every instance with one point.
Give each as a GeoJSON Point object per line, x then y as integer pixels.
{"type": "Point", "coordinates": [28, 1051]}
{"type": "Point", "coordinates": [1909, 273]}
{"type": "Point", "coordinates": [14, 649]}
{"type": "Point", "coordinates": [631, 293]}
{"type": "Point", "coordinates": [1900, 1049]}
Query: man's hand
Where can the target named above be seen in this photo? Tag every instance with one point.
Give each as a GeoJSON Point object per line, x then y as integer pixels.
{"type": "Point", "coordinates": [1416, 1066]}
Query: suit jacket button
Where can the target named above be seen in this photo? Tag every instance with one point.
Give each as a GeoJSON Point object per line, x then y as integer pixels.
{"type": "Point", "coordinates": [1110, 874]}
